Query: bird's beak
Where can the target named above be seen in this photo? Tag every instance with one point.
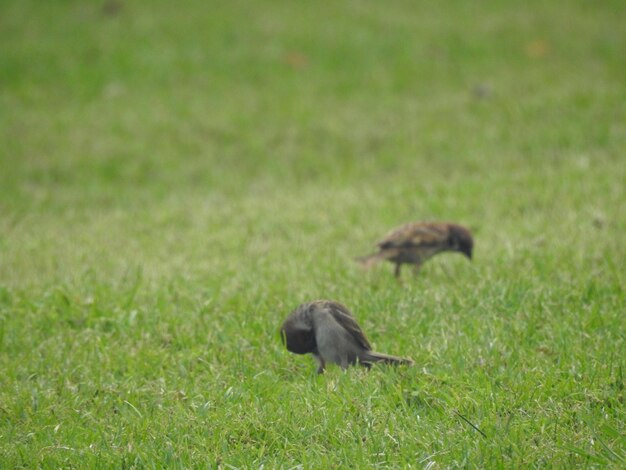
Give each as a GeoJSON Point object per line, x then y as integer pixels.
{"type": "Point", "coordinates": [468, 253]}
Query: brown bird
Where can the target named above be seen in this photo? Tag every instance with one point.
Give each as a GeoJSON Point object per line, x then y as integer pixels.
{"type": "Point", "coordinates": [327, 330]}
{"type": "Point", "coordinates": [416, 242]}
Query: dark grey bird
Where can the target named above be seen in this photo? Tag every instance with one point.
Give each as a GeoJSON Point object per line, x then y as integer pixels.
{"type": "Point", "coordinates": [417, 242]}
{"type": "Point", "coordinates": [327, 330]}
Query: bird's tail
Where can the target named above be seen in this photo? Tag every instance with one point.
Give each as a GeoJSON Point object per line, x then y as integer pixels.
{"type": "Point", "coordinates": [370, 260]}
{"type": "Point", "coordinates": [370, 357]}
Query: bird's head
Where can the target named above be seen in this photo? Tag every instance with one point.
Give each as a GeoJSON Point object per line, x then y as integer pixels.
{"type": "Point", "coordinates": [460, 239]}
{"type": "Point", "coordinates": [297, 333]}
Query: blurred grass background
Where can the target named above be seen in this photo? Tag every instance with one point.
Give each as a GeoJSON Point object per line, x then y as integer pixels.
{"type": "Point", "coordinates": [177, 177]}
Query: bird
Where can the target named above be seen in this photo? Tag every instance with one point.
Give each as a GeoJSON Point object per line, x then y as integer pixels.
{"type": "Point", "coordinates": [416, 242]}
{"type": "Point", "coordinates": [327, 330]}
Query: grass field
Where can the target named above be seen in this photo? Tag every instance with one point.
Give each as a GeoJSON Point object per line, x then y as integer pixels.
{"type": "Point", "coordinates": [177, 177]}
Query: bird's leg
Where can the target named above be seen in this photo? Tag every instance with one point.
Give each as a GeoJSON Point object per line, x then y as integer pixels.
{"type": "Point", "coordinates": [397, 270]}
{"type": "Point", "coordinates": [416, 268]}
{"type": "Point", "coordinates": [320, 364]}
{"type": "Point", "coordinates": [366, 364]}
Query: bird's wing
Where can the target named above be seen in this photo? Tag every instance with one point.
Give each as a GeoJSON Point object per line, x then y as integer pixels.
{"type": "Point", "coordinates": [343, 316]}
{"type": "Point", "coordinates": [415, 234]}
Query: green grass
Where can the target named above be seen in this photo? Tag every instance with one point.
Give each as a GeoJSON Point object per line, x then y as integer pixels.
{"type": "Point", "coordinates": [176, 178]}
